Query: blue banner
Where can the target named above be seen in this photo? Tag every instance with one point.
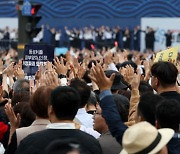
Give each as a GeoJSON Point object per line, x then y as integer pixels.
{"type": "Point", "coordinates": [34, 56]}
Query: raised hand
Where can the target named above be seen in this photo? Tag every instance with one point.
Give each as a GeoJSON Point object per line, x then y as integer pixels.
{"type": "Point", "coordinates": [19, 72]}
{"type": "Point", "coordinates": [77, 70]}
{"type": "Point", "coordinates": [98, 76]}
{"type": "Point", "coordinates": [9, 70]}
{"type": "Point", "coordinates": [147, 68]}
{"type": "Point", "coordinates": [108, 58]}
{"type": "Point", "coordinates": [75, 64]}
{"type": "Point", "coordinates": [137, 59]}
{"type": "Point", "coordinates": [146, 65]}
{"type": "Point", "coordinates": [1, 65]}
{"type": "Point", "coordinates": [136, 80]}
{"type": "Point", "coordinates": [49, 66]}
{"type": "Point", "coordinates": [116, 58]}
{"type": "Point", "coordinates": [32, 86]}
{"type": "Point", "coordinates": [1, 95]}
{"type": "Point", "coordinates": [129, 74]}
{"type": "Point", "coordinates": [151, 61]}
{"type": "Point", "coordinates": [38, 73]}
{"type": "Point", "coordinates": [121, 58]}
{"type": "Point", "coordinates": [122, 71]}
{"type": "Point", "coordinates": [81, 71]}
{"type": "Point", "coordinates": [59, 66]}
{"type": "Point", "coordinates": [13, 119]}
{"type": "Point", "coordinates": [69, 57]}
{"type": "Point", "coordinates": [51, 78]}
{"type": "Point", "coordinates": [86, 60]}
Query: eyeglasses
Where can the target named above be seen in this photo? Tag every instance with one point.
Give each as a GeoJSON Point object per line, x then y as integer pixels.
{"type": "Point", "coordinates": [96, 113]}
{"type": "Point", "coordinates": [91, 112]}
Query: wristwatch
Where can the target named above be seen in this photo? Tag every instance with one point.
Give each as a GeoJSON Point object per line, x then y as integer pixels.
{"type": "Point", "coordinates": [61, 76]}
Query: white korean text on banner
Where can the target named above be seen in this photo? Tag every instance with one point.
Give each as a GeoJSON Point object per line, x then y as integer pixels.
{"type": "Point", "coordinates": [34, 56]}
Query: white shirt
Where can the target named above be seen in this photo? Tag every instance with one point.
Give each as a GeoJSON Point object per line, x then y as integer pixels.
{"type": "Point", "coordinates": [71, 35]}
{"type": "Point", "coordinates": [81, 35]}
{"type": "Point", "coordinates": [57, 36]}
{"type": "Point", "coordinates": [85, 118]}
{"type": "Point", "coordinates": [13, 35]}
{"type": "Point", "coordinates": [90, 131]}
{"type": "Point", "coordinates": [88, 36]}
{"type": "Point", "coordinates": [108, 35]}
{"type": "Point", "coordinates": [61, 126]}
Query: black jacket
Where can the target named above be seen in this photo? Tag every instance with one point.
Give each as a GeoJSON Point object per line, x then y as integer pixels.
{"type": "Point", "coordinates": [171, 95]}
{"type": "Point", "coordinates": [36, 143]}
{"type": "Point", "coordinates": [174, 146]}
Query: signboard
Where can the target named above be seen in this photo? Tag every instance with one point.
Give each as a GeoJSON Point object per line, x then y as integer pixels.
{"type": "Point", "coordinates": [166, 55]}
{"type": "Point", "coordinates": [59, 51]}
{"type": "Point", "coordinates": [26, 8]}
{"type": "Point", "coordinates": [34, 56]}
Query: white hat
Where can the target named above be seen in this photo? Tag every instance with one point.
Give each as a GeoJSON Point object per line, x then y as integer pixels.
{"type": "Point", "coordinates": [143, 138]}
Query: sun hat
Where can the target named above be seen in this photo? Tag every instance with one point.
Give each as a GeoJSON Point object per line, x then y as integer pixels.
{"type": "Point", "coordinates": [117, 83]}
{"type": "Point", "coordinates": [143, 138]}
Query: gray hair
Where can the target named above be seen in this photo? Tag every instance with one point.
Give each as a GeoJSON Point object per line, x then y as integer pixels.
{"type": "Point", "coordinates": [21, 86]}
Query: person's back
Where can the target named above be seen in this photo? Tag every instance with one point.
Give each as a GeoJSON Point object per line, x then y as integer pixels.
{"type": "Point", "coordinates": [164, 77]}
{"type": "Point", "coordinates": [37, 125]}
{"type": "Point", "coordinates": [65, 146]}
{"type": "Point", "coordinates": [36, 142]}
{"type": "Point", "coordinates": [168, 116]}
{"type": "Point", "coordinates": [109, 144]}
{"type": "Point", "coordinates": [174, 145]}
{"type": "Point", "coordinates": [62, 110]}
{"type": "Point", "coordinates": [171, 95]}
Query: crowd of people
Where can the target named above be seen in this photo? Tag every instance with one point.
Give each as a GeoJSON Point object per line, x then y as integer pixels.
{"type": "Point", "coordinates": [88, 37]}
{"type": "Point", "coordinates": [8, 38]}
{"type": "Point", "coordinates": [104, 36]}
{"type": "Point", "coordinates": [91, 101]}
{"type": "Point", "coordinates": [91, 37]}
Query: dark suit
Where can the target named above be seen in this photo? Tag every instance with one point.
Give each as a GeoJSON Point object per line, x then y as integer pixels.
{"type": "Point", "coordinates": [37, 142]}
{"type": "Point", "coordinates": [109, 144]}
{"type": "Point", "coordinates": [171, 95]}
{"type": "Point", "coordinates": [174, 146]}
{"type": "Point", "coordinates": [168, 39]}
